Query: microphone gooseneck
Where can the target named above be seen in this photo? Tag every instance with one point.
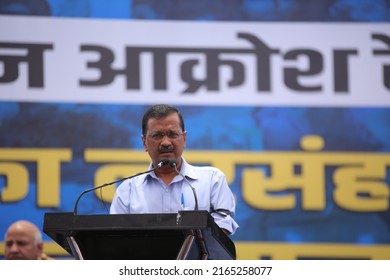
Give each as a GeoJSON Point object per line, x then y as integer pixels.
{"type": "Point", "coordinates": [162, 162]}
{"type": "Point", "coordinates": [173, 163]}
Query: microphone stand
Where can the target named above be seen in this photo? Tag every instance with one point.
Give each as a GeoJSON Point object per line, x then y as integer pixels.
{"type": "Point", "coordinates": [159, 165]}
{"type": "Point", "coordinates": [173, 163]}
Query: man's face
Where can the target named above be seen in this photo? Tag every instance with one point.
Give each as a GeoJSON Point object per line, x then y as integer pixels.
{"type": "Point", "coordinates": [20, 245]}
{"type": "Point", "coordinates": [164, 138]}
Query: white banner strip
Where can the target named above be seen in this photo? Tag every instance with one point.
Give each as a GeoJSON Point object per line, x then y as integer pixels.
{"type": "Point", "coordinates": [44, 59]}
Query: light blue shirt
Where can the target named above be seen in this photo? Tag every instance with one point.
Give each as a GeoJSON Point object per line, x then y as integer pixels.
{"type": "Point", "coordinates": [149, 194]}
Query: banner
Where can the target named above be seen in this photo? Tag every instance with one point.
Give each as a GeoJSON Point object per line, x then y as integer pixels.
{"type": "Point", "coordinates": [100, 61]}
{"type": "Point", "coordinates": [296, 115]}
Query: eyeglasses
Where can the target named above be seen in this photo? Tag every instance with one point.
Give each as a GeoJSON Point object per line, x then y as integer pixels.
{"type": "Point", "coordinates": [156, 136]}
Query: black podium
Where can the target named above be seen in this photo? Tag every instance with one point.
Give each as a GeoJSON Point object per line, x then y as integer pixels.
{"type": "Point", "coordinates": [184, 235]}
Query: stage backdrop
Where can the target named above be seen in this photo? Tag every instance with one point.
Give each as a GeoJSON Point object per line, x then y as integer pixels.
{"type": "Point", "coordinates": [290, 100]}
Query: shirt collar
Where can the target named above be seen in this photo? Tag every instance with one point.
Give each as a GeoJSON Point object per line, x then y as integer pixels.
{"type": "Point", "coordinates": [188, 170]}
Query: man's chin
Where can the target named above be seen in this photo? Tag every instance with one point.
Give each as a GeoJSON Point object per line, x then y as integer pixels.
{"type": "Point", "coordinates": [167, 155]}
{"type": "Point", "coordinates": [16, 258]}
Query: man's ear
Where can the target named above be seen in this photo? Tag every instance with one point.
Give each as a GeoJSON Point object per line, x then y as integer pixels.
{"type": "Point", "coordinates": [185, 138]}
{"type": "Point", "coordinates": [144, 143]}
{"type": "Point", "coordinates": [40, 247]}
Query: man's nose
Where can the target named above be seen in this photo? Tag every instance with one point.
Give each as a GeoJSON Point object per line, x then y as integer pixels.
{"type": "Point", "coordinates": [165, 140]}
{"type": "Point", "coordinates": [13, 247]}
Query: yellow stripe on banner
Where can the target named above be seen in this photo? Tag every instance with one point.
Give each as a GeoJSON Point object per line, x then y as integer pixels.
{"type": "Point", "coordinates": [289, 251]}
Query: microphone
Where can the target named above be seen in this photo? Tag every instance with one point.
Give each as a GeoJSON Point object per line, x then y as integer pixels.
{"type": "Point", "coordinates": [162, 162]}
{"type": "Point", "coordinates": [173, 163]}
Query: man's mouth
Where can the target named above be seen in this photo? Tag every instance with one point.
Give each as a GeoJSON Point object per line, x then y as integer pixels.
{"type": "Point", "coordinates": [165, 150]}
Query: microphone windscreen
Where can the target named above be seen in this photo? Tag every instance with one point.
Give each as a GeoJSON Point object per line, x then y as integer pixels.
{"type": "Point", "coordinates": [164, 161]}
